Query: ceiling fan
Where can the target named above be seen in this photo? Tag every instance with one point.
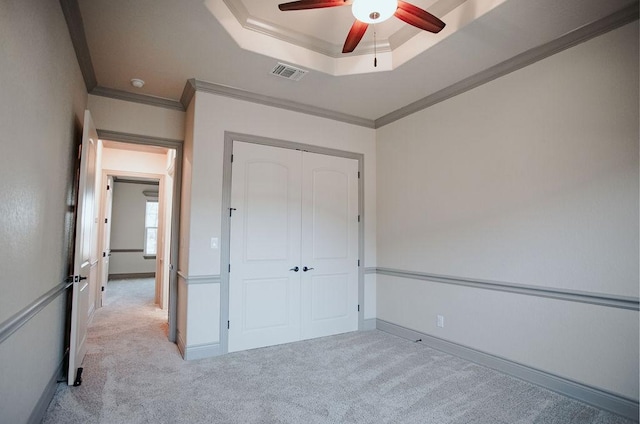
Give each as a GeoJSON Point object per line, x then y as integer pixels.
{"type": "Point", "coordinates": [372, 12]}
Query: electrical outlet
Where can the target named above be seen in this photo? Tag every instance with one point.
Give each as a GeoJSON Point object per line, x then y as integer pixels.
{"type": "Point", "coordinates": [440, 322]}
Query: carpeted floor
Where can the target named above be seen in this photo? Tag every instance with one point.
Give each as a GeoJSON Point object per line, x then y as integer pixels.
{"type": "Point", "coordinates": [132, 374]}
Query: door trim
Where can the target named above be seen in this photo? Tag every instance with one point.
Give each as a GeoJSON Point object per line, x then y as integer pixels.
{"type": "Point", "coordinates": [175, 210]}
{"type": "Point", "coordinates": [106, 173]}
{"type": "Point", "coordinates": [225, 235]}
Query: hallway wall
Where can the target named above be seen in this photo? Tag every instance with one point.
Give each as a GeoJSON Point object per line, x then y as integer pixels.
{"type": "Point", "coordinates": [135, 118]}
{"type": "Point", "coordinates": [41, 108]}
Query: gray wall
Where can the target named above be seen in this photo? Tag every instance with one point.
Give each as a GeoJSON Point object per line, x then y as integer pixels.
{"type": "Point", "coordinates": [127, 229]}
{"type": "Point", "coordinates": [41, 106]}
{"type": "Point", "coordinates": [529, 179]}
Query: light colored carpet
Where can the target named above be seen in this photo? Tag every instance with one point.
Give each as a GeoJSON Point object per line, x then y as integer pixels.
{"type": "Point", "coordinates": [132, 374]}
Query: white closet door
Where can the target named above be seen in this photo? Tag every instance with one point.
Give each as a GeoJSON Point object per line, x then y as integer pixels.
{"type": "Point", "coordinates": [329, 245]}
{"type": "Point", "coordinates": [264, 295]}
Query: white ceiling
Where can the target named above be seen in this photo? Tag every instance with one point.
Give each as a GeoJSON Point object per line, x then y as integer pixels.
{"type": "Point", "coordinates": [167, 42]}
{"type": "Point", "coordinates": [316, 39]}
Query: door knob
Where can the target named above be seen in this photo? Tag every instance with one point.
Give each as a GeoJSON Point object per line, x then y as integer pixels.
{"type": "Point", "coordinates": [295, 269]}
{"type": "Point", "coordinates": [305, 269]}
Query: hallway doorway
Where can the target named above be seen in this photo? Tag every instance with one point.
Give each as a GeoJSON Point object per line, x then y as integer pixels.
{"type": "Point", "coordinates": [138, 226]}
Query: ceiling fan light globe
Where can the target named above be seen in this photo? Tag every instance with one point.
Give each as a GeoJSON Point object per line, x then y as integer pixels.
{"type": "Point", "coordinates": [373, 11]}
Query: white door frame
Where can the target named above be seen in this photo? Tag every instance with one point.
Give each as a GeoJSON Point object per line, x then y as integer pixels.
{"type": "Point", "coordinates": [161, 201]}
{"type": "Point", "coordinates": [103, 235]}
{"type": "Point", "coordinates": [225, 235]}
{"type": "Point", "coordinates": [175, 210]}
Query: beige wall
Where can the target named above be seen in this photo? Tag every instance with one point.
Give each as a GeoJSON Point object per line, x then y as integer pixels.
{"type": "Point", "coordinates": [202, 185]}
{"type": "Point", "coordinates": [127, 228]}
{"type": "Point", "coordinates": [529, 179]}
{"type": "Point", "coordinates": [213, 116]}
{"type": "Point", "coordinates": [136, 118]}
{"type": "Point", "coordinates": [41, 108]}
{"type": "Point", "coordinates": [130, 161]}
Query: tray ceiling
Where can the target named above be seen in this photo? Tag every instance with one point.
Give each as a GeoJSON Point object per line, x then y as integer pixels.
{"type": "Point", "coordinates": [314, 38]}
{"type": "Point", "coordinates": [168, 42]}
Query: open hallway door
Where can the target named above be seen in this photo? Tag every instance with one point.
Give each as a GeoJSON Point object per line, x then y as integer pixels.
{"type": "Point", "coordinates": [82, 261]}
{"type": "Point", "coordinates": [106, 239]}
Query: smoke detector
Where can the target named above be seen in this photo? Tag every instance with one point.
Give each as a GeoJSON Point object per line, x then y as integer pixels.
{"type": "Point", "coordinates": [137, 82]}
{"type": "Point", "coordinates": [288, 71]}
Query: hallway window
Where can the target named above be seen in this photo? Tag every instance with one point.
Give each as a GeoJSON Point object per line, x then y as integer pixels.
{"type": "Point", "coordinates": [151, 228]}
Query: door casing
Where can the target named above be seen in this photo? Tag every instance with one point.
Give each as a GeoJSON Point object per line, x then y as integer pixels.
{"type": "Point", "coordinates": [225, 235]}
{"type": "Point", "coordinates": [175, 214]}
{"type": "Point", "coordinates": [106, 173]}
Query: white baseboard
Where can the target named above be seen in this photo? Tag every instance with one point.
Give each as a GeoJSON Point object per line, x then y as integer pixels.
{"type": "Point", "coordinates": [180, 343]}
{"type": "Point", "coordinates": [131, 275]}
{"type": "Point", "coordinates": [599, 398]}
{"type": "Point", "coordinates": [369, 324]}
{"type": "Point", "coordinates": [202, 351]}
{"type": "Point", "coordinates": [190, 353]}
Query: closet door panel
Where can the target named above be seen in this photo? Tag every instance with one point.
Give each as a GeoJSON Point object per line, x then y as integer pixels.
{"type": "Point", "coordinates": [329, 245]}
{"type": "Point", "coordinates": [264, 295]}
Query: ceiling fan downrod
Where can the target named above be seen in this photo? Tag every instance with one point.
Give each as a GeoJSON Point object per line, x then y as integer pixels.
{"type": "Point", "coordinates": [375, 50]}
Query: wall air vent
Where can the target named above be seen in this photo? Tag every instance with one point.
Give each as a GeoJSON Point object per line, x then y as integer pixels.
{"type": "Point", "coordinates": [289, 72]}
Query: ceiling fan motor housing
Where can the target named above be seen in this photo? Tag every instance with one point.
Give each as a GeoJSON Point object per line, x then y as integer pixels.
{"type": "Point", "coordinates": [373, 11]}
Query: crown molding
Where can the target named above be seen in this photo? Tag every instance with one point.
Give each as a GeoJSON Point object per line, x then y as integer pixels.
{"type": "Point", "coordinates": [146, 140]}
{"type": "Point", "coordinates": [137, 98]}
{"type": "Point", "coordinates": [580, 35]}
{"type": "Point", "coordinates": [188, 92]}
{"type": "Point", "coordinates": [252, 23]}
{"type": "Point", "coordinates": [236, 93]}
{"type": "Point", "coordinates": [72, 15]}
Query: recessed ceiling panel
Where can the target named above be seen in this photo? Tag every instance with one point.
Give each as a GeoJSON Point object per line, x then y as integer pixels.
{"type": "Point", "coordinates": [314, 37]}
{"type": "Point", "coordinates": [167, 42]}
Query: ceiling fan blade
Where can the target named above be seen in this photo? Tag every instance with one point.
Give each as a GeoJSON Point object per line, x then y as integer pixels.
{"type": "Point", "coordinates": [355, 35]}
{"type": "Point", "coordinates": [312, 4]}
{"type": "Point", "coordinates": [417, 17]}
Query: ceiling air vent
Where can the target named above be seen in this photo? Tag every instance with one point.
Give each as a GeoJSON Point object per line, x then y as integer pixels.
{"type": "Point", "coordinates": [289, 72]}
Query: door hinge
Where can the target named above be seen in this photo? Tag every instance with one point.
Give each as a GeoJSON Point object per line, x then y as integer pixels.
{"type": "Point", "coordinates": [102, 289]}
{"type": "Point", "coordinates": [358, 218]}
{"type": "Point", "coordinates": [358, 174]}
{"type": "Point", "coordinates": [358, 262]}
{"type": "Point", "coordinates": [229, 268]}
{"type": "Point", "coordinates": [228, 325]}
{"type": "Point", "coordinates": [106, 220]}
{"type": "Point", "coordinates": [231, 158]}
{"type": "Point", "coordinates": [104, 254]}
{"type": "Point", "coordinates": [108, 188]}
{"type": "Point", "coordinates": [358, 308]}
